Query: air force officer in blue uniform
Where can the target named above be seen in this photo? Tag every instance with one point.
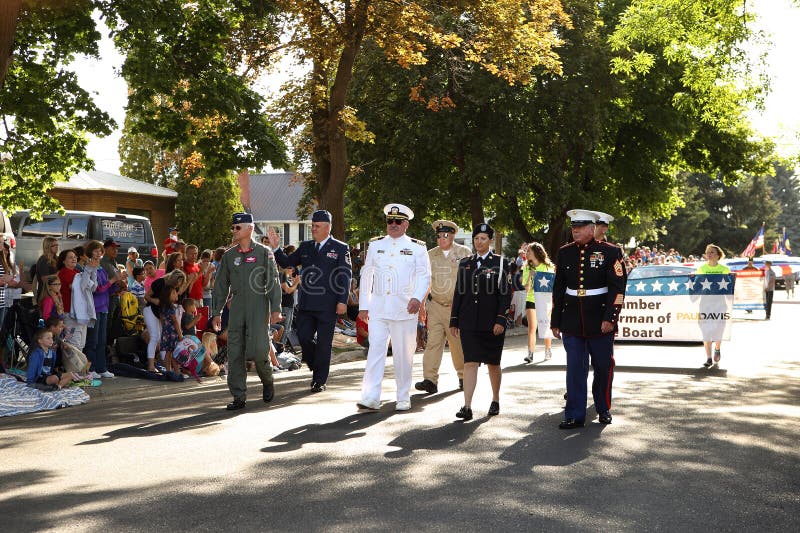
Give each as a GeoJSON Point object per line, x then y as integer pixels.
{"type": "Point", "coordinates": [325, 272]}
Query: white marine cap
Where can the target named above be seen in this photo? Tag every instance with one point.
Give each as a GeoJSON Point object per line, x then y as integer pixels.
{"type": "Point", "coordinates": [398, 211]}
{"type": "Point", "coordinates": [582, 217]}
{"type": "Point", "coordinates": [604, 218]}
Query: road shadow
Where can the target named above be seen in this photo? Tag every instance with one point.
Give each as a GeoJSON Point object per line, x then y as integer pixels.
{"type": "Point", "coordinates": [23, 479]}
{"type": "Point", "coordinates": [203, 420]}
{"type": "Point", "coordinates": [349, 427]}
{"type": "Point", "coordinates": [547, 445]}
{"type": "Point", "coordinates": [440, 438]}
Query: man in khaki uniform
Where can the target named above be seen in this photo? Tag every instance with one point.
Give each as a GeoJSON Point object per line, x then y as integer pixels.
{"type": "Point", "coordinates": [444, 268]}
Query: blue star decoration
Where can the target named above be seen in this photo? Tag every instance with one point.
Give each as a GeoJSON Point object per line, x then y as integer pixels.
{"type": "Point", "coordinates": [697, 284]}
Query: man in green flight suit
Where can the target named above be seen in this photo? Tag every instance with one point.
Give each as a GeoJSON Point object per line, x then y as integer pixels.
{"type": "Point", "coordinates": [249, 272]}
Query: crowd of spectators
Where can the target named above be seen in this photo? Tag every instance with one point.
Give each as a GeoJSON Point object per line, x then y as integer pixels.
{"type": "Point", "coordinates": [91, 297]}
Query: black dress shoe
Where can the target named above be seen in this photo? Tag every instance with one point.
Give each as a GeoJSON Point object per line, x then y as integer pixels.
{"type": "Point", "coordinates": [460, 384]}
{"type": "Point", "coordinates": [605, 418]}
{"type": "Point", "coordinates": [269, 392]}
{"type": "Point", "coordinates": [427, 385]}
{"type": "Point", "coordinates": [236, 404]}
{"type": "Point", "coordinates": [465, 413]}
{"type": "Point", "coordinates": [571, 423]}
{"type": "Point", "coordinates": [494, 409]}
{"type": "Point", "coordinates": [318, 387]}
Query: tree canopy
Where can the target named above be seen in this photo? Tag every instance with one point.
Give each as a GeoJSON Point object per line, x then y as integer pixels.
{"type": "Point", "coordinates": [192, 108]}
{"type": "Point", "coordinates": [648, 90]}
{"type": "Point", "coordinates": [510, 39]}
{"type": "Point", "coordinates": [45, 114]}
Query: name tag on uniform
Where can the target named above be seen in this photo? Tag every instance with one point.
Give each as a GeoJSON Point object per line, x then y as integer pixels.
{"type": "Point", "coordinates": [381, 251]}
{"type": "Point", "coordinates": [332, 255]}
{"type": "Point", "coordinates": [250, 259]}
{"type": "Point", "coordinates": [406, 251]}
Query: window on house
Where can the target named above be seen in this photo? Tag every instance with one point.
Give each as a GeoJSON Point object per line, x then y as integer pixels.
{"type": "Point", "coordinates": [286, 229]}
{"type": "Point", "coordinates": [302, 236]}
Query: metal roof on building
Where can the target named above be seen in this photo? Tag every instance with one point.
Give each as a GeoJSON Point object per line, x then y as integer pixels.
{"type": "Point", "coordinates": [96, 180]}
{"type": "Point", "coordinates": [274, 197]}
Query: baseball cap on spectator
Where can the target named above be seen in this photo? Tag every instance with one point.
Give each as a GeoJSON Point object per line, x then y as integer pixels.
{"type": "Point", "coordinates": [110, 242]}
{"type": "Point", "coordinates": [133, 249]}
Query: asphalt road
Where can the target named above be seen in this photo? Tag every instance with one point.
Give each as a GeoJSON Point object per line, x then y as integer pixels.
{"type": "Point", "coordinates": [689, 450]}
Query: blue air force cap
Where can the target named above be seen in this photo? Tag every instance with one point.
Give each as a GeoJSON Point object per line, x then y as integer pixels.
{"type": "Point", "coordinates": [321, 216]}
{"type": "Point", "coordinates": [242, 218]}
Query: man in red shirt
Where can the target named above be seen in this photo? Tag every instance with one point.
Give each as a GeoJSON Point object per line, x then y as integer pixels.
{"type": "Point", "coordinates": [192, 270]}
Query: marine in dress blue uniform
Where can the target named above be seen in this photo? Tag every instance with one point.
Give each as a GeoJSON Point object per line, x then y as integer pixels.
{"type": "Point", "coordinates": [325, 273]}
{"type": "Point", "coordinates": [588, 294]}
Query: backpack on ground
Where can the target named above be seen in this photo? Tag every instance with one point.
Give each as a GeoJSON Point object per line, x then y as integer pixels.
{"type": "Point", "coordinates": [132, 319]}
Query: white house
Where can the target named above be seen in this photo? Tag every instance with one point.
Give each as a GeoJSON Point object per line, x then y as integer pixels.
{"type": "Point", "coordinates": [272, 199]}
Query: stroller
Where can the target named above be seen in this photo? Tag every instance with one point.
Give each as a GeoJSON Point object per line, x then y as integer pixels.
{"type": "Point", "coordinates": [21, 323]}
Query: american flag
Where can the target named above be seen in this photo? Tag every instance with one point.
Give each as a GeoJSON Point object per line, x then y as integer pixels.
{"type": "Point", "coordinates": [755, 244]}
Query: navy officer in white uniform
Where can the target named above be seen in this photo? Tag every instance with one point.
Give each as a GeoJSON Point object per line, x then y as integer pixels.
{"type": "Point", "coordinates": [394, 281]}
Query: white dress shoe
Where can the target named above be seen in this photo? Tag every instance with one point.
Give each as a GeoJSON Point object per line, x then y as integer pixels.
{"type": "Point", "coordinates": [402, 406]}
{"type": "Point", "coordinates": [372, 405]}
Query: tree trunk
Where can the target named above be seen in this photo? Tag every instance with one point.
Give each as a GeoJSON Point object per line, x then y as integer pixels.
{"type": "Point", "coordinates": [319, 131]}
{"type": "Point", "coordinates": [476, 205]}
{"type": "Point", "coordinates": [555, 237]}
{"type": "Point", "coordinates": [332, 188]}
{"type": "Point", "coordinates": [9, 15]}
{"type": "Point", "coordinates": [517, 221]}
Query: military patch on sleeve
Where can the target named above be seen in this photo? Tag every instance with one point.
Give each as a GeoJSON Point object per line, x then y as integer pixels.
{"type": "Point", "coordinates": [619, 269]}
{"type": "Point", "coordinates": [619, 299]}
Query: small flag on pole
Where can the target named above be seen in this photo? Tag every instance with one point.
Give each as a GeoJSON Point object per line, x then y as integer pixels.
{"type": "Point", "coordinates": [785, 246]}
{"type": "Point", "coordinates": [755, 244]}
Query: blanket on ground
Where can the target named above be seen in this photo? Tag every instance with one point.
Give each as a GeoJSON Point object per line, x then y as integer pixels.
{"type": "Point", "coordinates": [17, 398]}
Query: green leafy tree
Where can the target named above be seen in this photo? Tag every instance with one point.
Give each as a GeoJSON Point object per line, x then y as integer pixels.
{"type": "Point", "coordinates": [727, 214]}
{"type": "Point", "coordinates": [144, 159]}
{"type": "Point", "coordinates": [685, 229]}
{"type": "Point", "coordinates": [203, 213]}
{"type": "Point", "coordinates": [45, 116]}
{"type": "Point", "coordinates": [785, 187]}
{"type": "Point", "coordinates": [507, 39]}
{"type": "Point", "coordinates": [648, 90]}
{"type": "Point", "coordinates": [191, 68]}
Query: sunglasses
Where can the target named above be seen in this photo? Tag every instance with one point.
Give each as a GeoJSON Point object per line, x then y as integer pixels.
{"type": "Point", "coordinates": [397, 221]}
{"type": "Point", "coordinates": [442, 235]}
{"type": "Point", "coordinates": [236, 228]}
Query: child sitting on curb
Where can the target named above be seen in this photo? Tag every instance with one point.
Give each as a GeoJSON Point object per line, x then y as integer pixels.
{"type": "Point", "coordinates": [42, 363]}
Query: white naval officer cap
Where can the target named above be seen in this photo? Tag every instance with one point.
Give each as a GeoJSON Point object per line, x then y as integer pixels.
{"type": "Point", "coordinates": [604, 218]}
{"type": "Point", "coordinates": [398, 211]}
{"type": "Point", "coordinates": [581, 217]}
